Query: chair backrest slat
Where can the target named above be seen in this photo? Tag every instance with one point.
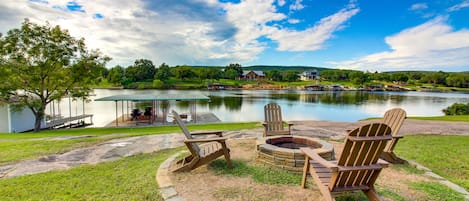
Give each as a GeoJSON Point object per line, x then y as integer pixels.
{"type": "Point", "coordinates": [273, 117]}
{"type": "Point", "coordinates": [394, 119]}
{"type": "Point", "coordinates": [359, 151]}
{"type": "Point", "coordinates": [186, 132]}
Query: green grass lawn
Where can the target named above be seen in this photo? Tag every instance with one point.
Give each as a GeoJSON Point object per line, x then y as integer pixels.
{"type": "Point", "coordinates": [130, 178]}
{"type": "Point", "coordinates": [447, 156]}
{"type": "Point", "coordinates": [456, 118]}
{"type": "Point", "coordinates": [444, 118]}
{"type": "Point", "coordinates": [133, 178]}
{"type": "Point", "coordinates": [21, 146]}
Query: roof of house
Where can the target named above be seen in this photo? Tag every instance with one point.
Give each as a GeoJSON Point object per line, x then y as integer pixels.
{"type": "Point", "coordinates": [257, 72]}
{"type": "Point", "coordinates": [154, 97]}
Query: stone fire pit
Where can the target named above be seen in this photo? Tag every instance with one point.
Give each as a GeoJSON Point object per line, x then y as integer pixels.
{"type": "Point", "coordinates": [283, 151]}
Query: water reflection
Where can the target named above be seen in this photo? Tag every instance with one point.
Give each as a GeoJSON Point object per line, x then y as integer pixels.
{"type": "Point", "coordinates": [230, 103]}
{"type": "Point", "coordinates": [247, 105]}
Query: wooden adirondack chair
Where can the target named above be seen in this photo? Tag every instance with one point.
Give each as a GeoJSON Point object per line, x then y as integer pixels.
{"type": "Point", "coordinates": [273, 124]}
{"type": "Point", "coordinates": [209, 150]}
{"type": "Point", "coordinates": [394, 119]}
{"type": "Point", "coordinates": [358, 166]}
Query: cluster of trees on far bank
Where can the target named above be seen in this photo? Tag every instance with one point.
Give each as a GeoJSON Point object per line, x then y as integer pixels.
{"type": "Point", "coordinates": [449, 79]}
{"type": "Point", "coordinates": [144, 71]}
{"type": "Point", "coordinates": [144, 74]}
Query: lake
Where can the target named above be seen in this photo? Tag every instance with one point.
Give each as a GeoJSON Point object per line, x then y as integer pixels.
{"type": "Point", "coordinates": [248, 105]}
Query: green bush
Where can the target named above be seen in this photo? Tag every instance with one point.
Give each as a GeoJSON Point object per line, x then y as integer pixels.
{"type": "Point", "coordinates": [158, 84]}
{"type": "Point", "coordinates": [457, 109]}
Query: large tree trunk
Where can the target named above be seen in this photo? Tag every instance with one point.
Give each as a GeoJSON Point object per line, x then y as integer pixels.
{"type": "Point", "coordinates": [39, 117]}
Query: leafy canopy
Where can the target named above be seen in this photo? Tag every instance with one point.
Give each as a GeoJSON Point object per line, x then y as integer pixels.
{"type": "Point", "coordinates": [40, 64]}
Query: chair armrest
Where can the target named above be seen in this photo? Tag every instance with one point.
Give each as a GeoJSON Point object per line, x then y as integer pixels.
{"type": "Point", "coordinates": [289, 123]}
{"type": "Point", "coordinates": [383, 163]}
{"type": "Point", "coordinates": [313, 155]}
{"type": "Point", "coordinates": [219, 133]}
{"type": "Point", "coordinates": [264, 123]}
{"type": "Point", "coordinates": [216, 139]}
{"type": "Point", "coordinates": [398, 136]}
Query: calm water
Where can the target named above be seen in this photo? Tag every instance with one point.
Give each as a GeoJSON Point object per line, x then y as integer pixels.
{"type": "Point", "coordinates": [248, 105]}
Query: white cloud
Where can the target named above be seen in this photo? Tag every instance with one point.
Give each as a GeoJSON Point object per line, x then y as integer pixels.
{"type": "Point", "coordinates": [418, 6]}
{"type": "Point", "coordinates": [281, 2]}
{"type": "Point", "coordinates": [314, 37]}
{"type": "Point", "coordinates": [194, 32]}
{"type": "Point", "coordinates": [129, 30]}
{"type": "Point", "coordinates": [456, 7]}
{"type": "Point", "coordinates": [297, 5]}
{"type": "Point", "coordinates": [433, 44]}
{"type": "Point", "coordinates": [293, 21]}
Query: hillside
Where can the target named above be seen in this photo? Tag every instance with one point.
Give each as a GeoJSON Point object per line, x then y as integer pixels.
{"type": "Point", "coordinates": [268, 68]}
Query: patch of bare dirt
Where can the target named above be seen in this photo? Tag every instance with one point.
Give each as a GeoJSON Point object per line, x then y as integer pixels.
{"type": "Point", "coordinates": [205, 184]}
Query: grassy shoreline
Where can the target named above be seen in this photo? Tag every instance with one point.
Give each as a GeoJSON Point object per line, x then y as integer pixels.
{"type": "Point", "coordinates": [174, 83]}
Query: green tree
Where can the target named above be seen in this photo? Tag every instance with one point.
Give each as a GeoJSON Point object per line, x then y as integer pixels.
{"type": "Point", "coordinates": [399, 77]}
{"type": "Point", "coordinates": [231, 74]}
{"type": "Point", "coordinates": [214, 73]}
{"type": "Point", "coordinates": [457, 80]}
{"type": "Point", "coordinates": [380, 76]}
{"type": "Point", "coordinates": [236, 67]}
{"type": "Point", "coordinates": [116, 75]}
{"type": "Point", "coordinates": [142, 70]}
{"type": "Point", "coordinates": [358, 77]}
{"type": "Point", "coordinates": [435, 77]}
{"type": "Point", "coordinates": [41, 64]}
{"type": "Point", "coordinates": [202, 73]}
{"type": "Point", "coordinates": [184, 72]}
{"type": "Point", "coordinates": [163, 72]}
{"type": "Point", "coordinates": [335, 75]}
{"type": "Point", "coordinates": [291, 76]}
{"type": "Point", "coordinates": [274, 75]}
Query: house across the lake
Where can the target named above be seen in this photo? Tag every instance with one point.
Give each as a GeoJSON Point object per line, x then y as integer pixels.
{"type": "Point", "coordinates": [253, 75]}
{"type": "Point", "coordinates": [310, 75]}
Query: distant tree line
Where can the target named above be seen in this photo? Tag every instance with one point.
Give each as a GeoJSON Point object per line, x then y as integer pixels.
{"type": "Point", "coordinates": [143, 70]}
{"type": "Point", "coordinates": [450, 79]}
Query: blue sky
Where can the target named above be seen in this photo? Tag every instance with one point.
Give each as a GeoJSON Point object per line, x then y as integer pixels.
{"type": "Point", "coordinates": [371, 35]}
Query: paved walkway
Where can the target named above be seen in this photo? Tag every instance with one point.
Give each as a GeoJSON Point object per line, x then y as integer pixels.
{"type": "Point", "coordinates": [118, 148]}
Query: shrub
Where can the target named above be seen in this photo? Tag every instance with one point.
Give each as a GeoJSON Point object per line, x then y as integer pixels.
{"type": "Point", "coordinates": [457, 109]}
{"type": "Point", "coordinates": [158, 84]}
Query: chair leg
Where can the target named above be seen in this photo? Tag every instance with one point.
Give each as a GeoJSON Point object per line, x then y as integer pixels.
{"type": "Point", "coordinates": [226, 153]}
{"type": "Point", "coordinates": [305, 172]}
{"type": "Point", "coordinates": [392, 158]}
{"type": "Point", "coordinates": [371, 194]}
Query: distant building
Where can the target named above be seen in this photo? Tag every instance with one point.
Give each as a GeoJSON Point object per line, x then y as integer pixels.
{"type": "Point", "coordinates": [253, 75]}
{"type": "Point", "coordinates": [310, 75]}
{"type": "Point", "coordinates": [16, 121]}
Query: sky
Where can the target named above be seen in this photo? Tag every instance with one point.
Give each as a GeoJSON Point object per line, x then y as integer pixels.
{"type": "Point", "coordinates": [384, 35]}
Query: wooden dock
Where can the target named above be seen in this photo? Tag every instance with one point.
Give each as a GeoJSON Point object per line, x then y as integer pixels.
{"type": "Point", "coordinates": [63, 121]}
